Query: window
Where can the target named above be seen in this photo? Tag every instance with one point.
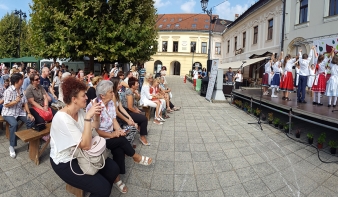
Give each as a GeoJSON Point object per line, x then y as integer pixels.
{"type": "Point", "coordinates": [228, 46]}
{"type": "Point", "coordinates": [207, 20]}
{"type": "Point", "coordinates": [193, 47]}
{"type": "Point", "coordinates": [255, 37]}
{"type": "Point", "coordinates": [193, 25]}
{"type": "Point", "coordinates": [177, 25]}
{"type": "Point", "coordinates": [204, 47]}
{"type": "Point", "coordinates": [164, 46]}
{"type": "Point", "coordinates": [270, 29]}
{"type": "Point", "coordinates": [164, 20]}
{"type": "Point", "coordinates": [333, 7]}
{"type": "Point", "coordinates": [235, 43]}
{"type": "Point", "coordinates": [179, 19]}
{"type": "Point", "coordinates": [218, 48]}
{"type": "Point", "coordinates": [244, 39]}
{"type": "Point", "coordinates": [160, 26]}
{"type": "Point", "coordinates": [168, 26]}
{"type": "Point", "coordinates": [172, 20]}
{"type": "Point", "coordinates": [175, 46]}
{"type": "Point", "coordinates": [206, 26]}
{"type": "Point", "coordinates": [195, 19]}
{"type": "Point", "coordinates": [303, 11]}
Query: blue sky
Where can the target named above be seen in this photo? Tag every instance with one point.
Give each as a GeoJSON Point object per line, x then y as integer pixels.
{"type": "Point", "coordinates": [225, 10]}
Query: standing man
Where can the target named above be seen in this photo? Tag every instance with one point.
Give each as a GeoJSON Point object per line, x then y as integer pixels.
{"type": "Point", "coordinates": [229, 76]}
{"type": "Point", "coordinates": [304, 62]}
{"type": "Point", "coordinates": [45, 83]}
{"type": "Point", "coordinates": [114, 70]}
{"type": "Point", "coordinates": [142, 73]}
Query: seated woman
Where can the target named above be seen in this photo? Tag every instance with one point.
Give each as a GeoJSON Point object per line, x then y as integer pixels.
{"type": "Point", "coordinates": [37, 99]}
{"type": "Point", "coordinates": [123, 118]}
{"type": "Point", "coordinates": [14, 109]}
{"type": "Point", "coordinates": [110, 129]}
{"type": "Point", "coordinates": [167, 90]}
{"type": "Point", "coordinates": [91, 92]}
{"type": "Point", "coordinates": [128, 102]}
{"type": "Point", "coordinates": [158, 97]}
{"type": "Point", "coordinates": [70, 126]}
{"type": "Point", "coordinates": [146, 97]}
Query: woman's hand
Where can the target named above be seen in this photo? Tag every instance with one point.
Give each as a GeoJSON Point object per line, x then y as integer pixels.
{"type": "Point", "coordinates": [30, 117]}
{"type": "Point", "coordinates": [130, 122]}
{"type": "Point", "coordinates": [118, 133]}
{"type": "Point", "coordinates": [45, 107]}
{"type": "Point", "coordinates": [94, 110]}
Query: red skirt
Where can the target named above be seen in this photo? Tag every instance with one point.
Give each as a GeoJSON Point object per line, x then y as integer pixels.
{"type": "Point", "coordinates": [286, 83]}
{"type": "Point", "coordinates": [321, 84]}
{"type": "Point", "coordinates": [194, 82]}
{"type": "Point", "coordinates": [265, 80]}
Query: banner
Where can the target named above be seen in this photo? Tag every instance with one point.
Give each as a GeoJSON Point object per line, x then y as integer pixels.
{"type": "Point", "coordinates": [325, 45]}
{"type": "Point", "coordinates": [212, 79]}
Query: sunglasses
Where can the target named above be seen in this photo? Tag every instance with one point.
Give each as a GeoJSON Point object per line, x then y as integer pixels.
{"type": "Point", "coordinates": [38, 79]}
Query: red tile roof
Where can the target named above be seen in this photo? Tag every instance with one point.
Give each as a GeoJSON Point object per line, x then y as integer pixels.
{"type": "Point", "coordinates": [188, 22]}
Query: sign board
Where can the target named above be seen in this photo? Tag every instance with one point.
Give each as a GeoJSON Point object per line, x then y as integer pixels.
{"type": "Point", "coordinates": [212, 79]}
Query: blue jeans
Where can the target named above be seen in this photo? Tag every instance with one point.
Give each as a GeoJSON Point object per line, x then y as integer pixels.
{"type": "Point", "coordinates": [141, 83]}
{"type": "Point", "coordinates": [13, 127]}
{"type": "Point", "coordinates": [51, 96]}
{"type": "Point", "coordinates": [301, 88]}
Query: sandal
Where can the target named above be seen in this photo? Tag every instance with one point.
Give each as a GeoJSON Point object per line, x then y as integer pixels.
{"type": "Point", "coordinates": [177, 108]}
{"type": "Point", "coordinates": [287, 99]}
{"type": "Point", "coordinates": [144, 161]}
{"type": "Point", "coordinates": [166, 117]}
{"type": "Point", "coordinates": [120, 186]}
{"type": "Point", "coordinates": [145, 144]}
{"type": "Point", "coordinates": [159, 122]}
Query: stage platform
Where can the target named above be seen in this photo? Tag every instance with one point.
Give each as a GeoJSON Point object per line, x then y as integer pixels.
{"type": "Point", "coordinates": [322, 113]}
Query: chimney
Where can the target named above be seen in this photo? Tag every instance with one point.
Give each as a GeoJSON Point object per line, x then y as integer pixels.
{"type": "Point", "coordinates": [236, 16]}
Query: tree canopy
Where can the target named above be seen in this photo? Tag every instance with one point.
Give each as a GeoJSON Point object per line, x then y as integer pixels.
{"type": "Point", "coordinates": [108, 30]}
{"type": "Point", "coordinates": [9, 36]}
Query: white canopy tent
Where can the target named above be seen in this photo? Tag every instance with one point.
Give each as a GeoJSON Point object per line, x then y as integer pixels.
{"type": "Point", "coordinates": [236, 65]}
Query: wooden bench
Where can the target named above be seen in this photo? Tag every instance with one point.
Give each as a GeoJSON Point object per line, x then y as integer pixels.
{"type": "Point", "coordinates": [2, 120]}
{"type": "Point", "coordinates": [73, 190]}
{"type": "Point", "coordinates": [33, 137]}
{"type": "Point", "coordinates": [147, 110]}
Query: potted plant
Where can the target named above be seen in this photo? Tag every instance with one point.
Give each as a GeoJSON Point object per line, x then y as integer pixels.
{"type": "Point", "coordinates": [321, 140]}
{"type": "Point", "coordinates": [258, 112]}
{"type": "Point", "coordinates": [275, 122]}
{"type": "Point", "coordinates": [286, 128]}
{"type": "Point", "coordinates": [298, 133]}
{"type": "Point", "coordinates": [263, 117]}
{"type": "Point", "coordinates": [246, 106]}
{"type": "Point", "coordinates": [270, 118]}
{"type": "Point", "coordinates": [333, 147]}
{"type": "Point", "coordinates": [240, 104]}
{"type": "Point", "coordinates": [310, 138]}
{"type": "Point", "coordinates": [281, 125]}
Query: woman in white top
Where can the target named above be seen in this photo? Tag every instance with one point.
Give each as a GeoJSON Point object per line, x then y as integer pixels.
{"type": "Point", "coordinates": [238, 79]}
{"type": "Point", "coordinates": [163, 74]}
{"type": "Point", "coordinates": [146, 97]}
{"type": "Point", "coordinates": [332, 83]}
{"type": "Point", "coordinates": [72, 126]}
{"type": "Point", "coordinates": [134, 72]}
{"type": "Point", "coordinates": [286, 84]}
{"type": "Point", "coordinates": [57, 82]}
{"type": "Point", "coordinates": [275, 82]}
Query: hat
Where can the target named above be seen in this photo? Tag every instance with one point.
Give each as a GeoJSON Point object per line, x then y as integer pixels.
{"type": "Point", "coordinates": [15, 66]}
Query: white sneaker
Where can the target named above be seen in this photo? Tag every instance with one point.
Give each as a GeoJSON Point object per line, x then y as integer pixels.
{"type": "Point", "coordinates": [265, 93]}
{"type": "Point", "coordinates": [274, 96]}
{"type": "Point", "coordinates": [12, 152]}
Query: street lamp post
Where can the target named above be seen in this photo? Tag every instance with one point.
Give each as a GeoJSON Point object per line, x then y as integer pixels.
{"type": "Point", "coordinates": [21, 14]}
{"type": "Point", "coordinates": [204, 4]}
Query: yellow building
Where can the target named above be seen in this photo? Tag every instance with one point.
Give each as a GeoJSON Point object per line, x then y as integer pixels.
{"type": "Point", "coordinates": [183, 41]}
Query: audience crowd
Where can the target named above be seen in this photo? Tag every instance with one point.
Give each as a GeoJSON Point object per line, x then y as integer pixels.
{"type": "Point", "coordinates": [76, 104]}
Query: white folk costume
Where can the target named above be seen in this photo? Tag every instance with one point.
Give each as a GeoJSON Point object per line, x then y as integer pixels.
{"type": "Point", "coordinates": [275, 82]}
{"type": "Point", "coordinates": [319, 84]}
{"type": "Point", "coordinates": [311, 77]}
{"type": "Point", "coordinates": [332, 84]}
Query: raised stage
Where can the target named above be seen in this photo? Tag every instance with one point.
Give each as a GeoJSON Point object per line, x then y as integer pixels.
{"type": "Point", "coordinates": [322, 113]}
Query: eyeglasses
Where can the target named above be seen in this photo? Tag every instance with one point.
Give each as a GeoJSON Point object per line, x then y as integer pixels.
{"type": "Point", "coordinates": [38, 79]}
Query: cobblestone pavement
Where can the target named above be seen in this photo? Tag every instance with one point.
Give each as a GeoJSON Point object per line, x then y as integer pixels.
{"type": "Point", "coordinates": [205, 149]}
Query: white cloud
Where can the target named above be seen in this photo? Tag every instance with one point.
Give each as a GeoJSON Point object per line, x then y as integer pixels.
{"type": "Point", "coordinates": [161, 3]}
{"type": "Point", "coordinates": [227, 11]}
{"type": "Point", "coordinates": [3, 7]}
{"type": "Point", "coordinates": [188, 7]}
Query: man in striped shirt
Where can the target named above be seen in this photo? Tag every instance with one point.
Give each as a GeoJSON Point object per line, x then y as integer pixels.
{"type": "Point", "coordinates": [142, 73]}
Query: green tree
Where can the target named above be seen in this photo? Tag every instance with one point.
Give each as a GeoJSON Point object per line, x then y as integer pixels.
{"type": "Point", "coordinates": [108, 30]}
{"type": "Point", "coordinates": [9, 36]}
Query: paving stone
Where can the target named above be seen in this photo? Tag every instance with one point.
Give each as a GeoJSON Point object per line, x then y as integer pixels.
{"type": "Point", "coordinates": [166, 155]}
{"type": "Point", "coordinates": [186, 182]}
{"type": "Point", "coordinates": [275, 181]}
{"type": "Point", "coordinates": [165, 167]}
{"type": "Point", "coordinates": [50, 180]}
{"type": "Point", "coordinates": [186, 194]}
{"type": "Point", "coordinates": [235, 191]}
{"type": "Point", "coordinates": [322, 191]}
{"type": "Point", "coordinates": [207, 182]}
{"type": "Point", "coordinates": [162, 182]}
{"type": "Point", "coordinates": [332, 183]}
{"type": "Point", "coordinates": [256, 188]}
{"type": "Point", "coordinates": [201, 167]}
{"type": "Point", "coordinates": [19, 176]}
{"type": "Point", "coordinates": [217, 155]}
{"type": "Point", "coordinates": [200, 156]}
{"type": "Point", "coordinates": [33, 188]}
{"type": "Point", "coordinates": [227, 179]}
{"type": "Point", "coordinates": [215, 193]}
{"type": "Point", "coordinates": [135, 191]}
{"type": "Point", "coordinates": [139, 178]}
{"type": "Point", "coordinates": [5, 183]}
{"type": "Point", "coordinates": [197, 147]}
{"type": "Point", "coordinates": [182, 147]}
{"type": "Point", "coordinates": [183, 156]}
{"type": "Point", "coordinates": [246, 174]}
{"type": "Point", "coordinates": [239, 162]}
{"type": "Point", "coordinates": [11, 193]}
{"type": "Point", "coordinates": [232, 153]}
{"type": "Point", "coordinates": [155, 193]}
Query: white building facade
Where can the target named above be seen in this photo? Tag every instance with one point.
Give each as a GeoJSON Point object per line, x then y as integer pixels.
{"type": "Point", "coordinates": [310, 22]}
{"type": "Point", "coordinates": [256, 33]}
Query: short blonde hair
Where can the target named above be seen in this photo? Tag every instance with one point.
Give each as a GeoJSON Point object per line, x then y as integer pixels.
{"type": "Point", "coordinates": [96, 80]}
